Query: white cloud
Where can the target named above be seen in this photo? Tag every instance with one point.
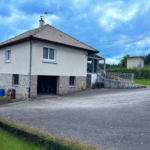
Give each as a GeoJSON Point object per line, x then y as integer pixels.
{"type": "Point", "coordinates": [114, 60]}
{"type": "Point", "coordinates": [111, 12]}
{"type": "Point", "coordinates": [19, 22]}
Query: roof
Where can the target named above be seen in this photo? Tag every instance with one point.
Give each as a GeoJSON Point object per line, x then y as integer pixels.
{"type": "Point", "coordinates": [50, 34]}
{"type": "Point", "coordinates": [136, 57]}
{"type": "Point", "coordinates": [99, 56]}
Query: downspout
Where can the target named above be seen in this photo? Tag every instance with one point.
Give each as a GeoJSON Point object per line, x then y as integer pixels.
{"type": "Point", "coordinates": [30, 66]}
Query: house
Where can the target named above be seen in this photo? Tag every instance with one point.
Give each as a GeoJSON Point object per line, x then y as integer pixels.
{"type": "Point", "coordinates": [46, 60]}
{"type": "Point", "coordinates": [135, 62]}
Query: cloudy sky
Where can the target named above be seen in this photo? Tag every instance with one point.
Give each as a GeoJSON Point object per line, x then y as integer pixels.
{"type": "Point", "coordinates": [101, 24]}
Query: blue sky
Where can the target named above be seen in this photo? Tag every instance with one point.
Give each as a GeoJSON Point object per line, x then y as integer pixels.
{"type": "Point", "coordinates": [93, 22]}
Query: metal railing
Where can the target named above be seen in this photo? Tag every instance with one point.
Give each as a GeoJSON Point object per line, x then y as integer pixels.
{"type": "Point", "coordinates": [100, 70]}
{"type": "Point", "coordinates": [125, 77]}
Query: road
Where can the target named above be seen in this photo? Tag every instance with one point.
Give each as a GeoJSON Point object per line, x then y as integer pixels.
{"type": "Point", "coordinates": [111, 118]}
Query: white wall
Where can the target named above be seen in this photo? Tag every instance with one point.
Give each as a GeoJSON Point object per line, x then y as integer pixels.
{"type": "Point", "coordinates": [135, 62]}
{"type": "Point", "coordinates": [19, 59]}
{"type": "Point", "coordinates": [69, 61]}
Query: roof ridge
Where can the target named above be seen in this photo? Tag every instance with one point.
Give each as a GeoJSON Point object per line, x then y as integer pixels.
{"type": "Point", "coordinates": [40, 29]}
{"type": "Point", "coordinates": [72, 37]}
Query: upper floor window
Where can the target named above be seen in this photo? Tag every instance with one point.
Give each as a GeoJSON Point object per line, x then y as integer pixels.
{"type": "Point", "coordinates": [8, 55]}
{"type": "Point", "coordinates": [49, 54]}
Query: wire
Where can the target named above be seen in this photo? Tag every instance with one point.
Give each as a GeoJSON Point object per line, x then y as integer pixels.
{"type": "Point", "coordinates": [118, 40]}
{"type": "Point", "coordinates": [124, 43]}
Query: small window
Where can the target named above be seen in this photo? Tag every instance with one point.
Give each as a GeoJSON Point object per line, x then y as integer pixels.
{"type": "Point", "coordinates": [72, 81]}
{"type": "Point", "coordinates": [49, 54]}
{"type": "Point", "coordinates": [16, 79]}
{"type": "Point", "coordinates": [8, 55]}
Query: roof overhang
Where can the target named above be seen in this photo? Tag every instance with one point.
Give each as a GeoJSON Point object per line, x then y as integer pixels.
{"type": "Point", "coordinates": [35, 38]}
{"type": "Point", "coordinates": [136, 57]}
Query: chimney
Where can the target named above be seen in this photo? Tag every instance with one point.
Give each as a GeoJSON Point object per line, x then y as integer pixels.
{"type": "Point", "coordinates": [41, 22]}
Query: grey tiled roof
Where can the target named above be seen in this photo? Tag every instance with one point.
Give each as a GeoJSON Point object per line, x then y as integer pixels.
{"type": "Point", "coordinates": [49, 33]}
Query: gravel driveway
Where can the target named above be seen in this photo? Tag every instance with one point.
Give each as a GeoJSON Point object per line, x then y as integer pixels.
{"type": "Point", "coordinates": [112, 118]}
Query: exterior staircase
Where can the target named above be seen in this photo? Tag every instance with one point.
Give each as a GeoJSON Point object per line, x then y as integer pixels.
{"type": "Point", "coordinates": [107, 80]}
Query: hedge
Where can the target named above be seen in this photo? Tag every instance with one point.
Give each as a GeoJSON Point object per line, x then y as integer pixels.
{"type": "Point", "coordinates": [42, 139]}
{"type": "Point", "coordinates": [138, 73]}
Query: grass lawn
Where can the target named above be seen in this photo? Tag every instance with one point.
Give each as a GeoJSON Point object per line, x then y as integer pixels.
{"type": "Point", "coordinates": [11, 142]}
{"type": "Point", "coordinates": [144, 81]}
{"type": "Point", "coordinates": [4, 100]}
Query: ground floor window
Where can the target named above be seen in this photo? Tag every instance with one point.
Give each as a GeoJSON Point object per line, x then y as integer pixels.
{"type": "Point", "coordinates": [72, 81]}
{"type": "Point", "coordinates": [16, 79]}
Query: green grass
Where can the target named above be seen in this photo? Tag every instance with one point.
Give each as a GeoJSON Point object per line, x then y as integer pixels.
{"type": "Point", "coordinates": [11, 142]}
{"type": "Point", "coordinates": [4, 100]}
{"type": "Point", "coordinates": [144, 81]}
{"type": "Point", "coordinates": [23, 131]}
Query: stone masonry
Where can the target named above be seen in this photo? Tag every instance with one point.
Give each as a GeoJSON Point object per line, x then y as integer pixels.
{"type": "Point", "coordinates": [22, 89]}
{"type": "Point", "coordinates": [6, 82]}
{"type": "Point", "coordinates": [34, 81]}
{"type": "Point", "coordinates": [115, 84]}
{"type": "Point", "coordinates": [63, 84]}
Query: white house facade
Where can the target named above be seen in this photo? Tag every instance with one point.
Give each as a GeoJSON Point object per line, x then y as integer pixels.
{"type": "Point", "coordinates": [135, 62]}
{"type": "Point", "coordinates": [44, 61]}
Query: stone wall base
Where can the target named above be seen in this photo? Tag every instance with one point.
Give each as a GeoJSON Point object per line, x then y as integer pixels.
{"type": "Point", "coordinates": [6, 82]}
{"type": "Point", "coordinates": [115, 84]}
{"type": "Point", "coordinates": [22, 89]}
{"type": "Point", "coordinates": [63, 84]}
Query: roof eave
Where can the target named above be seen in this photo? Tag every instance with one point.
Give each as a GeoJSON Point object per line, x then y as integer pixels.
{"type": "Point", "coordinates": [31, 38]}
{"type": "Point", "coordinates": [91, 51]}
{"type": "Point", "coordinates": [17, 41]}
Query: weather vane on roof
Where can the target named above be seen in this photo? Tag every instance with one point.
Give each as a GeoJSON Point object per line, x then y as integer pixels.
{"type": "Point", "coordinates": [46, 13]}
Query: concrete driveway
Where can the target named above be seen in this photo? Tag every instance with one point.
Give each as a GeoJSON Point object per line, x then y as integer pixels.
{"type": "Point", "coordinates": [112, 118]}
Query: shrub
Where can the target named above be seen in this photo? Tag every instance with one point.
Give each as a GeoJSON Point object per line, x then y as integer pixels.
{"type": "Point", "coordinates": [138, 73]}
{"type": "Point", "coordinates": [42, 139]}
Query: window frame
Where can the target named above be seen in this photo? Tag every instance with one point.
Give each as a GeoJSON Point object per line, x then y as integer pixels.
{"type": "Point", "coordinates": [70, 84]}
{"type": "Point", "coordinates": [49, 60]}
{"type": "Point", "coordinates": [6, 56]}
{"type": "Point", "coordinates": [14, 80]}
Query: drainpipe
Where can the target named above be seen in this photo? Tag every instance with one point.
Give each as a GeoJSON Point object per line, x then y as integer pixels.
{"type": "Point", "coordinates": [30, 65]}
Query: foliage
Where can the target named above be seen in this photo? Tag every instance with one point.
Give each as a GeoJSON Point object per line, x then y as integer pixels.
{"type": "Point", "coordinates": [147, 60]}
{"type": "Point", "coordinates": [10, 142]}
{"type": "Point", "coordinates": [108, 66]}
{"type": "Point", "coordinates": [138, 73]}
{"type": "Point", "coordinates": [4, 100]}
{"type": "Point", "coordinates": [42, 139]}
{"type": "Point", "coordinates": [123, 61]}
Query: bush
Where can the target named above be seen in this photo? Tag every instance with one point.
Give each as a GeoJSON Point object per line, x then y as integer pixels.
{"type": "Point", "coordinates": [138, 73]}
{"type": "Point", "coordinates": [42, 139]}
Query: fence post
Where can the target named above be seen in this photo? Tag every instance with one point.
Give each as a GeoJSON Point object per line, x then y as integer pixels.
{"type": "Point", "coordinates": [132, 77]}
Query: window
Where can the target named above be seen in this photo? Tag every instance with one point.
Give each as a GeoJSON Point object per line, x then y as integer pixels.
{"type": "Point", "coordinates": [49, 54]}
{"type": "Point", "coordinates": [8, 55]}
{"type": "Point", "coordinates": [72, 81]}
{"type": "Point", "coordinates": [16, 79]}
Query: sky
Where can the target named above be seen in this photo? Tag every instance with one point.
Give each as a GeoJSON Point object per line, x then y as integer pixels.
{"type": "Point", "coordinates": [101, 24]}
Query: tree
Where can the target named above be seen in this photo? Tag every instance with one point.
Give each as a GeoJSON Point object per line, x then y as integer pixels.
{"type": "Point", "coordinates": [147, 59]}
{"type": "Point", "coordinates": [123, 61]}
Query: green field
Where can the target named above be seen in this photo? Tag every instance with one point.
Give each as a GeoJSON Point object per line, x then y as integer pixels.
{"type": "Point", "coordinates": [11, 142]}
{"type": "Point", "coordinates": [143, 81]}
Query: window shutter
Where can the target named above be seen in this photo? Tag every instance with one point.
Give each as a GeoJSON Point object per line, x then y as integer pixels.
{"type": "Point", "coordinates": [9, 55]}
